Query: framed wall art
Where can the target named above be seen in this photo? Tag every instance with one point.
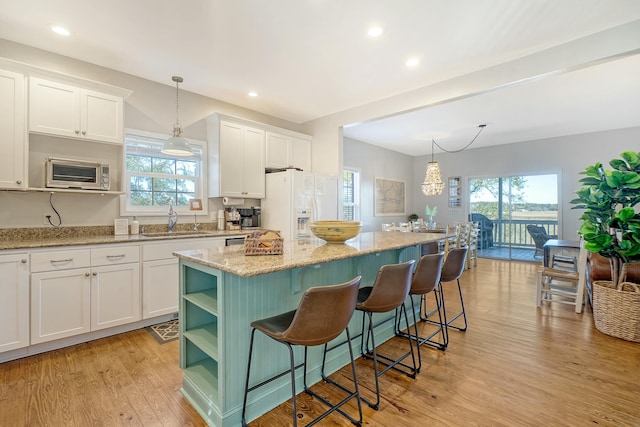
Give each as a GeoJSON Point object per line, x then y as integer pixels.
{"type": "Point", "coordinates": [390, 197]}
{"type": "Point", "coordinates": [455, 191]}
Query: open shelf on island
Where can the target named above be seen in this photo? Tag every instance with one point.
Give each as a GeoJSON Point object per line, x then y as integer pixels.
{"type": "Point", "coordinates": [205, 338]}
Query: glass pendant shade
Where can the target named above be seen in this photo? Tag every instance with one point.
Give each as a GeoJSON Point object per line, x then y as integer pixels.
{"type": "Point", "coordinates": [177, 145]}
{"type": "Point", "coordinates": [432, 184]}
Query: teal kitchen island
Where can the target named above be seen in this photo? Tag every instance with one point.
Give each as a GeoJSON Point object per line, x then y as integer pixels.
{"type": "Point", "coordinates": [222, 291]}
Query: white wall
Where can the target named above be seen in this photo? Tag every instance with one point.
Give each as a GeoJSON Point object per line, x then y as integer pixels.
{"type": "Point", "coordinates": [567, 156]}
{"type": "Point", "coordinates": [378, 162]}
{"type": "Point", "coordinates": [151, 107]}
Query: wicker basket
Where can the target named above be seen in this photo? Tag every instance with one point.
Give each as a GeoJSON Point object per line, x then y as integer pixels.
{"type": "Point", "coordinates": [256, 246]}
{"type": "Point", "coordinates": [617, 312]}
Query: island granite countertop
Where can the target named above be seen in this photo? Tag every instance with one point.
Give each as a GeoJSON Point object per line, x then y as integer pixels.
{"type": "Point", "coordinates": [300, 253]}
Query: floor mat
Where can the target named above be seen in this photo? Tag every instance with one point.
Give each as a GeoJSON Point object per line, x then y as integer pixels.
{"type": "Point", "coordinates": [164, 332]}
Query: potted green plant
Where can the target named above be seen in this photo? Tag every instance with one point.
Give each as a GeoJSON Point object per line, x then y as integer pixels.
{"type": "Point", "coordinates": [413, 217]}
{"type": "Point", "coordinates": [611, 227]}
{"type": "Point", "coordinates": [431, 213]}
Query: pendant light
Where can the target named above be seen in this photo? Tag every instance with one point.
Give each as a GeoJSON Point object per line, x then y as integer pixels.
{"type": "Point", "coordinates": [177, 145]}
{"type": "Point", "coordinates": [432, 184]}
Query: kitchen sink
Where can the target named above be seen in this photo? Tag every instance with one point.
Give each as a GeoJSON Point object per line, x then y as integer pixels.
{"type": "Point", "coordinates": [177, 233]}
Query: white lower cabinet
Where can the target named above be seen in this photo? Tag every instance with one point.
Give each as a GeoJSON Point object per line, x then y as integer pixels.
{"type": "Point", "coordinates": [56, 293]}
{"type": "Point", "coordinates": [115, 295]}
{"type": "Point", "coordinates": [102, 293]}
{"type": "Point", "coordinates": [160, 283]}
{"type": "Point", "coordinates": [60, 304]}
{"type": "Point", "coordinates": [14, 301]}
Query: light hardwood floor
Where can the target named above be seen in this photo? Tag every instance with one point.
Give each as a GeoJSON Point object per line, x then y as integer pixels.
{"type": "Point", "coordinates": [515, 366]}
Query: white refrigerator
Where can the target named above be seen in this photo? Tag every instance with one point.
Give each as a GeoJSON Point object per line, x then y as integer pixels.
{"type": "Point", "coordinates": [295, 199]}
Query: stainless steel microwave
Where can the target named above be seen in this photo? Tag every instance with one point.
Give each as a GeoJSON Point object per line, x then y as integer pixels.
{"type": "Point", "coordinates": [80, 174]}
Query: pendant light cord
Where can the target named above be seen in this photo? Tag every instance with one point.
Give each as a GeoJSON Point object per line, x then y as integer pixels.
{"type": "Point", "coordinates": [462, 149]}
{"type": "Point", "coordinates": [177, 103]}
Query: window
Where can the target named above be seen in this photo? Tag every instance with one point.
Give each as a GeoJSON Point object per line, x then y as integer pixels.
{"type": "Point", "coordinates": [351, 194]}
{"type": "Point", "coordinates": [154, 180]}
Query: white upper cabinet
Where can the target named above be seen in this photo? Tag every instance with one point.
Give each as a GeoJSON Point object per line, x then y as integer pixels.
{"type": "Point", "coordinates": [283, 151]}
{"type": "Point", "coordinates": [236, 159]}
{"type": "Point", "coordinates": [12, 131]}
{"type": "Point", "coordinates": [73, 112]}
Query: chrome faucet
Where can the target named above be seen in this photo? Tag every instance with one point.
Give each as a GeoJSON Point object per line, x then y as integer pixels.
{"type": "Point", "coordinates": [173, 218]}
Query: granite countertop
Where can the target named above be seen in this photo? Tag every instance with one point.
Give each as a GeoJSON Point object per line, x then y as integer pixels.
{"type": "Point", "coordinates": [300, 253]}
{"type": "Point", "coordinates": [31, 238]}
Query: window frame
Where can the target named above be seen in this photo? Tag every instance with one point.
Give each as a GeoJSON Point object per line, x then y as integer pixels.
{"type": "Point", "coordinates": [126, 209]}
{"type": "Point", "coordinates": [356, 192]}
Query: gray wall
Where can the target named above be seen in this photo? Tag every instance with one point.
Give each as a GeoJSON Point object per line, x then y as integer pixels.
{"type": "Point", "coordinates": [567, 156]}
{"type": "Point", "coordinates": [378, 162]}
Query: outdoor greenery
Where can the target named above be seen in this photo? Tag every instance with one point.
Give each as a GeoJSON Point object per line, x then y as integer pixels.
{"type": "Point", "coordinates": [610, 223]}
{"type": "Point", "coordinates": [490, 209]}
{"type": "Point", "coordinates": [492, 186]}
{"type": "Point", "coordinates": [159, 181]}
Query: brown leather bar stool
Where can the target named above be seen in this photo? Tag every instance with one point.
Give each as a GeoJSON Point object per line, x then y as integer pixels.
{"type": "Point", "coordinates": [426, 279]}
{"type": "Point", "coordinates": [452, 269]}
{"type": "Point", "coordinates": [324, 313]}
{"type": "Point", "coordinates": [388, 293]}
{"type": "Point", "coordinates": [430, 248]}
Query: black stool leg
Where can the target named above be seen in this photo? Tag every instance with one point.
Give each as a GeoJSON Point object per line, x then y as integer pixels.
{"type": "Point", "coordinates": [462, 313]}
{"type": "Point", "coordinates": [376, 405]}
{"type": "Point", "coordinates": [246, 384]}
{"type": "Point", "coordinates": [351, 393]}
{"type": "Point", "coordinates": [293, 380]}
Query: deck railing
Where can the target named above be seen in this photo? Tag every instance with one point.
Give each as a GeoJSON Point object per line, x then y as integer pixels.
{"type": "Point", "coordinates": [515, 232]}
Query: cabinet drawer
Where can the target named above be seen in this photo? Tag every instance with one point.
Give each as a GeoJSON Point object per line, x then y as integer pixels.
{"type": "Point", "coordinates": [115, 255]}
{"type": "Point", "coordinates": [153, 251]}
{"type": "Point", "coordinates": [60, 260]}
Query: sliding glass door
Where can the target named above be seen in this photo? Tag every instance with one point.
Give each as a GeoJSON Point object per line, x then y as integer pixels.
{"type": "Point", "coordinates": [506, 207]}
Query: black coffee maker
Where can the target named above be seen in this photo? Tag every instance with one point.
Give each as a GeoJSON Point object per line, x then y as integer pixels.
{"type": "Point", "coordinates": [249, 218]}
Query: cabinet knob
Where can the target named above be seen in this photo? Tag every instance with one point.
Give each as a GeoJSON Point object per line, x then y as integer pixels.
{"type": "Point", "coordinates": [77, 131]}
{"type": "Point", "coordinates": [86, 274]}
{"type": "Point", "coordinates": [84, 132]}
{"type": "Point", "coordinates": [23, 260]}
{"type": "Point", "coordinates": [19, 181]}
{"type": "Point", "coordinates": [94, 273]}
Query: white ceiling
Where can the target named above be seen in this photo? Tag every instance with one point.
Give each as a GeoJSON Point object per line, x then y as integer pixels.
{"type": "Point", "coordinates": [311, 58]}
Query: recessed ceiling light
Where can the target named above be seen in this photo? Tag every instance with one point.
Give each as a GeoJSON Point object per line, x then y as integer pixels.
{"type": "Point", "coordinates": [413, 62]}
{"type": "Point", "coordinates": [375, 31]}
{"type": "Point", "coordinates": [253, 94]}
{"type": "Point", "coordinates": [60, 30]}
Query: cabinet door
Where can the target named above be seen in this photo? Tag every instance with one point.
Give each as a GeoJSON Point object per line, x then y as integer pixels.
{"type": "Point", "coordinates": [54, 108]}
{"type": "Point", "coordinates": [14, 302]}
{"type": "Point", "coordinates": [60, 304]}
{"type": "Point", "coordinates": [115, 295]}
{"type": "Point", "coordinates": [253, 156]}
{"type": "Point", "coordinates": [300, 153]}
{"type": "Point", "coordinates": [101, 117]}
{"type": "Point", "coordinates": [231, 159]}
{"type": "Point", "coordinates": [276, 150]}
{"type": "Point", "coordinates": [159, 287]}
{"type": "Point", "coordinates": [12, 131]}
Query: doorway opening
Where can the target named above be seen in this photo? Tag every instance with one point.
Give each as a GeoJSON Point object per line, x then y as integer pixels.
{"type": "Point", "coordinates": [505, 205]}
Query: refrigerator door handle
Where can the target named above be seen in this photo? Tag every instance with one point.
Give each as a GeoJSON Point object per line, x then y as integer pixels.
{"type": "Point", "coordinates": [314, 209]}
